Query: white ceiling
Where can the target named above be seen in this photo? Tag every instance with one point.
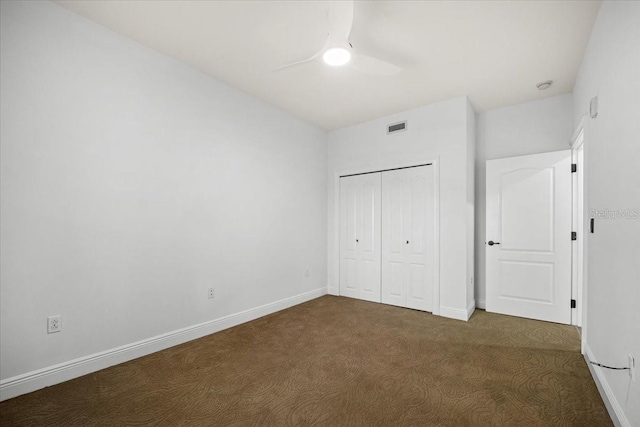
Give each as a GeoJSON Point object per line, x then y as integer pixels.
{"type": "Point", "coordinates": [495, 52]}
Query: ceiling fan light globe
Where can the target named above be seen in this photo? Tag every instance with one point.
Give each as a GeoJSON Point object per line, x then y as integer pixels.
{"type": "Point", "coordinates": [336, 56]}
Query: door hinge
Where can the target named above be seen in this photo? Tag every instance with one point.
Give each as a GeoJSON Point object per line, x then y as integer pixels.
{"type": "Point", "coordinates": [574, 235]}
{"type": "Point", "coordinates": [573, 303]}
{"type": "Point", "coordinates": [574, 167]}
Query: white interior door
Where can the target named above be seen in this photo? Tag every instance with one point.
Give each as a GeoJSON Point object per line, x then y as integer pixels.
{"type": "Point", "coordinates": [360, 236]}
{"type": "Point", "coordinates": [529, 236]}
{"type": "Point", "coordinates": [408, 224]}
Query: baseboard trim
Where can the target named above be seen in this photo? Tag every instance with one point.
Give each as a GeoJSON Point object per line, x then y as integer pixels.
{"type": "Point", "coordinates": [458, 314]}
{"type": "Point", "coordinates": [482, 304]}
{"type": "Point", "coordinates": [613, 406]}
{"type": "Point", "coordinates": [471, 308]}
{"type": "Point", "coordinates": [41, 378]}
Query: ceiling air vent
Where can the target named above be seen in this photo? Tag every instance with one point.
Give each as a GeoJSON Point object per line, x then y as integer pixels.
{"type": "Point", "coordinates": [397, 127]}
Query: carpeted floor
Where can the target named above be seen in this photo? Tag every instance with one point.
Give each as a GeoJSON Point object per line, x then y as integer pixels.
{"type": "Point", "coordinates": [339, 362]}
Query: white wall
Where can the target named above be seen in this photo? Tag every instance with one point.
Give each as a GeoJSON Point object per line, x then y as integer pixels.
{"type": "Point", "coordinates": [132, 183]}
{"type": "Point", "coordinates": [611, 71]}
{"type": "Point", "coordinates": [471, 154]}
{"type": "Point", "coordinates": [529, 128]}
{"type": "Point", "coordinates": [438, 131]}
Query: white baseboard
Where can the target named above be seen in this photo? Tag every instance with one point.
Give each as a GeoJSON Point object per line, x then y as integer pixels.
{"type": "Point", "coordinates": [458, 314]}
{"type": "Point", "coordinates": [471, 308]}
{"type": "Point", "coordinates": [481, 304]}
{"type": "Point", "coordinates": [613, 406]}
{"type": "Point", "coordinates": [65, 371]}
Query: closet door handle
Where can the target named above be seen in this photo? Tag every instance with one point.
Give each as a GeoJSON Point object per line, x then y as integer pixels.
{"type": "Point", "coordinates": [491, 243]}
{"type": "Point", "coordinates": [356, 240]}
{"type": "Point", "coordinates": [407, 242]}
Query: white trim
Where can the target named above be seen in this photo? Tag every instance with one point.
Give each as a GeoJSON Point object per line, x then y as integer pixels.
{"type": "Point", "coordinates": [436, 236]}
{"type": "Point", "coordinates": [458, 314]}
{"type": "Point", "coordinates": [482, 304]}
{"type": "Point", "coordinates": [613, 406]}
{"type": "Point", "coordinates": [576, 133]}
{"type": "Point", "coordinates": [582, 288]}
{"type": "Point", "coordinates": [471, 308]}
{"type": "Point", "coordinates": [577, 224]}
{"type": "Point", "coordinates": [577, 219]}
{"type": "Point", "coordinates": [334, 288]}
{"type": "Point", "coordinates": [65, 371]}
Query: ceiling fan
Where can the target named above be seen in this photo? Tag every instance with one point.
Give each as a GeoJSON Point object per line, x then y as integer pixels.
{"type": "Point", "coordinates": [338, 50]}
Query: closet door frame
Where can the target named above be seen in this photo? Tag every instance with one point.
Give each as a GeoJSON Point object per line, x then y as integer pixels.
{"type": "Point", "coordinates": [377, 167]}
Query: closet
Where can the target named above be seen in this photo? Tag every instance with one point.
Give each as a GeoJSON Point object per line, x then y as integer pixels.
{"type": "Point", "coordinates": [387, 235]}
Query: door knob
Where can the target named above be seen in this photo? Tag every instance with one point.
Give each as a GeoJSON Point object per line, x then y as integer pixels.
{"type": "Point", "coordinates": [407, 242]}
{"type": "Point", "coordinates": [491, 243]}
{"type": "Point", "coordinates": [356, 240]}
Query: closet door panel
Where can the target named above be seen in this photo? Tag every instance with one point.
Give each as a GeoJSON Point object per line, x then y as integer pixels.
{"type": "Point", "coordinates": [393, 246]}
{"type": "Point", "coordinates": [360, 237]}
{"type": "Point", "coordinates": [368, 239]}
{"type": "Point", "coordinates": [348, 222]}
{"type": "Point", "coordinates": [417, 289]}
{"type": "Point", "coordinates": [396, 281]}
{"type": "Point", "coordinates": [392, 205]}
{"type": "Point", "coordinates": [368, 233]}
{"type": "Point", "coordinates": [351, 206]}
{"type": "Point", "coordinates": [368, 277]}
{"type": "Point", "coordinates": [420, 250]}
{"type": "Point", "coordinates": [349, 287]}
{"type": "Point", "coordinates": [417, 233]}
{"type": "Point", "coordinates": [407, 237]}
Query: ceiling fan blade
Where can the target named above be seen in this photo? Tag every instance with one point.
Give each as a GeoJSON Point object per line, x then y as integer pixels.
{"type": "Point", "coordinates": [301, 64]}
{"type": "Point", "coordinates": [377, 67]}
{"type": "Point", "coordinates": [295, 65]}
{"type": "Point", "coordinates": [340, 21]}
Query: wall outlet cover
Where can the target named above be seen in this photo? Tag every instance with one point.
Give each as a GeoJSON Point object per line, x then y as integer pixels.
{"type": "Point", "coordinates": [54, 324]}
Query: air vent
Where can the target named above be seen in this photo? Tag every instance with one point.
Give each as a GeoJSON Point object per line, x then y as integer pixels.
{"type": "Point", "coordinates": [397, 127]}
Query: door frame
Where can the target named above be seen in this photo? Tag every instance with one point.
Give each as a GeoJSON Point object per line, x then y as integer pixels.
{"type": "Point", "coordinates": [376, 167]}
{"type": "Point", "coordinates": [579, 224]}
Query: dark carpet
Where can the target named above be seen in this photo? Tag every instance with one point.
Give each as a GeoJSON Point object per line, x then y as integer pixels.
{"type": "Point", "coordinates": [339, 362]}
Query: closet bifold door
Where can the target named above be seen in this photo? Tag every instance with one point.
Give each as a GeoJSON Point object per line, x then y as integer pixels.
{"type": "Point", "coordinates": [360, 236]}
{"type": "Point", "coordinates": [408, 226]}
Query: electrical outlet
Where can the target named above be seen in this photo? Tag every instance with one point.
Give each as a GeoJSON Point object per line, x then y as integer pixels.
{"type": "Point", "coordinates": [632, 367]}
{"type": "Point", "coordinates": [212, 292]}
{"type": "Point", "coordinates": [54, 324]}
